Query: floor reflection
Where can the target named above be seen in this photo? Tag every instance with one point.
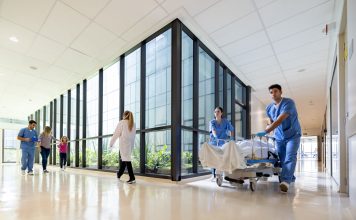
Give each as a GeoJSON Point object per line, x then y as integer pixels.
{"type": "Point", "coordinates": [80, 194]}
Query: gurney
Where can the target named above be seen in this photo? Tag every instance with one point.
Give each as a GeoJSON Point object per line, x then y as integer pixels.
{"type": "Point", "coordinates": [253, 159]}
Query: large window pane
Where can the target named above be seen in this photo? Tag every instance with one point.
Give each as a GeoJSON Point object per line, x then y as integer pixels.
{"type": "Point", "coordinates": [73, 114]}
{"type": "Point", "coordinates": [48, 115]}
{"type": "Point", "coordinates": [202, 137]}
{"type": "Point", "coordinates": [239, 117]}
{"type": "Point", "coordinates": [92, 153]}
{"type": "Point", "coordinates": [65, 113]}
{"type": "Point", "coordinates": [206, 89]}
{"type": "Point", "coordinates": [92, 106]}
{"type": "Point", "coordinates": [111, 156]}
{"type": "Point", "coordinates": [158, 81]}
{"type": "Point", "coordinates": [239, 92]}
{"type": "Point", "coordinates": [73, 128]}
{"type": "Point", "coordinates": [158, 152]}
{"type": "Point", "coordinates": [111, 99]}
{"type": "Point", "coordinates": [187, 152]}
{"type": "Point", "coordinates": [11, 144]}
{"type": "Point", "coordinates": [81, 112]}
{"type": "Point", "coordinates": [229, 99]}
{"type": "Point", "coordinates": [132, 84]}
{"type": "Point", "coordinates": [187, 80]}
{"type": "Point", "coordinates": [221, 86]}
{"type": "Point", "coordinates": [58, 128]}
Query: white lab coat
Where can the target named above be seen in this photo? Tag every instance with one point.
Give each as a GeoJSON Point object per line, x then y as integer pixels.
{"type": "Point", "coordinates": [126, 139]}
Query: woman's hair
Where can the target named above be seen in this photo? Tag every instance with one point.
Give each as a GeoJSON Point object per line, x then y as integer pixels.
{"type": "Point", "coordinates": [64, 137]}
{"type": "Point", "coordinates": [221, 109]}
{"type": "Point", "coordinates": [47, 130]}
{"type": "Point", "coordinates": [129, 116]}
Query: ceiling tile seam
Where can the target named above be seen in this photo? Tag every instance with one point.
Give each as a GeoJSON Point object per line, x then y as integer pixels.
{"type": "Point", "coordinates": [93, 19]}
{"type": "Point", "coordinates": [35, 38]}
{"type": "Point", "coordinates": [299, 13]}
{"type": "Point", "coordinates": [233, 21]}
{"type": "Point", "coordinates": [44, 20]}
{"type": "Point", "coordinates": [20, 25]}
{"type": "Point", "coordinates": [265, 4]}
{"type": "Point", "coordinates": [274, 51]}
{"type": "Point", "coordinates": [308, 64]}
{"type": "Point", "coordinates": [25, 55]}
{"type": "Point", "coordinates": [248, 51]}
{"type": "Point", "coordinates": [224, 57]}
{"type": "Point", "coordinates": [254, 61]}
{"type": "Point", "coordinates": [163, 8]}
{"type": "Point", "coordinates": [206, 8]}
{"type": "Point", "coordinates": [83, 13]}
{"type": "Point", "coordinates": [239, 39]}
{"type": "Point", "coordinates": [138, 21]}
{"type": "Point", "coordinates": [298, 32]}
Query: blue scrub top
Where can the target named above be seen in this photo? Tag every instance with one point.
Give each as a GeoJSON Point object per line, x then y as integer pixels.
{"type": "Point", "coordinates": [290, 127]}
{"type": "Point", "coordinates": [222, 129]}
{"type": "Point", "coordinates": [27, 133]}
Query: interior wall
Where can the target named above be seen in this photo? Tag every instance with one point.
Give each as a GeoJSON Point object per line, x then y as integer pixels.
{"type": "Point", "coordinates": [351, 97]}
{"type": "Point", "coordinates": [1, 146]}
{"type": "Point", "coordinates": [258, 115]}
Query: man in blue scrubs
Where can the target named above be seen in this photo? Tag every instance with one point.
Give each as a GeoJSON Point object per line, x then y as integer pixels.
{"type": "Point", "coordinates": [28, 137]}
{"type": "Point", "coordinates": [284, 120]}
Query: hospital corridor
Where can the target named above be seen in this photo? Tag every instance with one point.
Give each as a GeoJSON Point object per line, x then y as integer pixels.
{"type": "Point", "coordinates": [177, 109]}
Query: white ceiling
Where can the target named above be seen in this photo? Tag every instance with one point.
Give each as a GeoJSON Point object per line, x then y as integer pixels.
{"type": "Point", "coordinates": [263, 41]}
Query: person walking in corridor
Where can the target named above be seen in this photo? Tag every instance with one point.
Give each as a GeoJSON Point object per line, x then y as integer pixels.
{"type": "Point", "coordinates": [28, 137]}
{"type": "Point", "coordinates": [45, 140]}
{"type": "Point", "coordinates": [283, 117]}
{"type": "Point", "coordinates": [126, 132]}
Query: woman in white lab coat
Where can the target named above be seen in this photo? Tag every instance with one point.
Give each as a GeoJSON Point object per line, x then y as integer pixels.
{"type": "Point", "coordinates": [126, 132]}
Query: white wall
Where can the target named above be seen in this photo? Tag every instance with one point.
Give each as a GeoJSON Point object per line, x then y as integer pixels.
{"type": "Point", "coordinates": [258, 115]}
{"type": "Point", "coordinates": [351, 97]}
{"type": "Point", "coordinates": [1, 145]}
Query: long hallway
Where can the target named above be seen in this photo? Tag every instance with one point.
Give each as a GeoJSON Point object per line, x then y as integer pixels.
{"type": "Point", "coordinates": [81, 194]}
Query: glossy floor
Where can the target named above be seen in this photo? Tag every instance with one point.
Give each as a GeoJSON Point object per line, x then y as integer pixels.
{"type": "Point", "coordinates": [81, 194]}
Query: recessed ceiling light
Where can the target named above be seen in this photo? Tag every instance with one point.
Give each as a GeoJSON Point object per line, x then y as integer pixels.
{"type": "Point", "coordinates": [14, 39]}
{"type": "Point", "coordinates": [33, 68]}
{"type": "Point", "coordinates": [301, 70]}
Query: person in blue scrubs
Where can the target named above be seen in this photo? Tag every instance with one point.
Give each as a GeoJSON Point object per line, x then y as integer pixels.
{"type": "Point", "coordinates": [28, 137]}
{"type": "Point", "coordinates": [220, 130]}
{"type": "Point", "coordinates": [283, 116]}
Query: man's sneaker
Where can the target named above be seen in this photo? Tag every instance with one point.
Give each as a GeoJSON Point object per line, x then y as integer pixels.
{"type": "Point", "coordinates": [45, 171]}
{"type": "Point", "coordinates": [131, 181]}
{"type": "Point", "coordinates": [30, 173]}
{"type": "Point", "coordinates": [23, 172]}
{"type": "Point", "coordinates": [284, 187]}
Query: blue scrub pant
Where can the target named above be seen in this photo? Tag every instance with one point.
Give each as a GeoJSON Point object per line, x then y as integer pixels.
{"type": "Point", "coordinates": [27, 158]}
{"type": "Point", "coordinates": [287, 152]}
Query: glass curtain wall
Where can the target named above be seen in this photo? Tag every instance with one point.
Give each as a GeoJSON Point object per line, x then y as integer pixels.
{"type": "Point", "coordinates": [111, 113]}
{"type": "Point", "coordinates": [73, 124]}
{"type": "Point", "coordinates": [147, 69]}
{"type": "Point", "coordinates": [92, 122]}
{"type": "Point", "coordinates": [158, 103]}
{"type": "Point", "coordinates": [11, 144]}
{"type": "Point", "coordinates": [187, 104]}
{"type": "Point", "coordinates": [132, 92]}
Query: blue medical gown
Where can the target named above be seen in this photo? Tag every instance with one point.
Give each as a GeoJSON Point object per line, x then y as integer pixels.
{"type": "Point", "coordinates": [222, 131]}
